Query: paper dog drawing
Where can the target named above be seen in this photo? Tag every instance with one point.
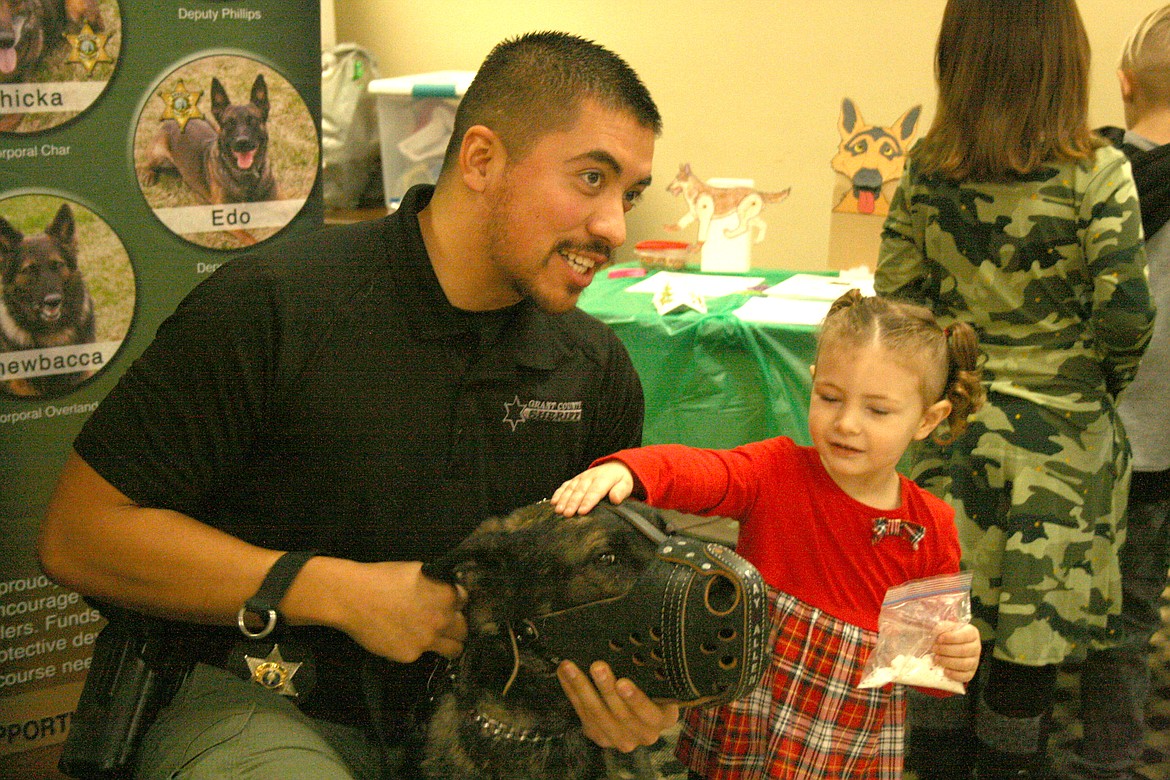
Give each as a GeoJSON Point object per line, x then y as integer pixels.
{"type": "Point", "coordinates": [870, 160]}
{"type": "Point", "coordinates": [705, 203]}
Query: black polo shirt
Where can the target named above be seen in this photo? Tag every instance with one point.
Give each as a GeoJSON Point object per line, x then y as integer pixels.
{"type": "Point", "coordinates": [322, 393]}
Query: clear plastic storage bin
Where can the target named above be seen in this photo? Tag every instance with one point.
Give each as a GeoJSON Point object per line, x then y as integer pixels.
{"type": "Point", "coordinates": [415, 118]}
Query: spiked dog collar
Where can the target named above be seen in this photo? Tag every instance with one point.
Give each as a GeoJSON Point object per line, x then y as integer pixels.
{"type": "Point", "coordinates": [494, 729]}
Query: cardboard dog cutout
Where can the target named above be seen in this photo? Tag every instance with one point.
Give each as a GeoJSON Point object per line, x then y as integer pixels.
{"type": "Point", "coordinates": [706, 202]}
{"type": "Point", "coordinates": [870, 160]}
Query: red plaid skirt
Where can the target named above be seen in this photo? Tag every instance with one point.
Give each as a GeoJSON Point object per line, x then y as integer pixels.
{"type": "Point", "coordinates": [807, 718]}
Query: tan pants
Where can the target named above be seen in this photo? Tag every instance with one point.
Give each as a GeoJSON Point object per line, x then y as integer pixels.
{"type": "Point", "coordinates": [220, 726]}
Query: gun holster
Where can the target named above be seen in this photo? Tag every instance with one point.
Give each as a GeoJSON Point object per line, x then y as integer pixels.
{"type": "Point", "coordinates": [135, 671]}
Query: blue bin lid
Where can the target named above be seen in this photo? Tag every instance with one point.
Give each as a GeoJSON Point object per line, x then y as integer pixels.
{"type": "Point", "coordinates": [441, 84]}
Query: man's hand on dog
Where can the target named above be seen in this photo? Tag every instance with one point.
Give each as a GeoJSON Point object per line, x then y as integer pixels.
{"type": "Point", "coordinates": [395, 611]}
{"type": "Point", "coordinates": [577, 496]}
{"type": "Point", "coordinates": [614, 713]}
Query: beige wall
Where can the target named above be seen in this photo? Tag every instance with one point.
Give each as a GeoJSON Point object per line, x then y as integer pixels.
{"type": "Point", "coordinates": [747, 88]}
{"type": "Point", "coordinates": [328, 25]}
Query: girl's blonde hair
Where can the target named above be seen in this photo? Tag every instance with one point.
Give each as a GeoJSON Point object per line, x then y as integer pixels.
{"type": "Point", "coordinates": [1146, 55]}
{"type": "Point", "coordinates": [1013, 90]}
{"type": "Point", "coordinates": [947, 358]}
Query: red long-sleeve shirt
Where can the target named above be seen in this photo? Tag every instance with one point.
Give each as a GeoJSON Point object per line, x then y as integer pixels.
{"type": "Point", "coordinates": [807, 537]}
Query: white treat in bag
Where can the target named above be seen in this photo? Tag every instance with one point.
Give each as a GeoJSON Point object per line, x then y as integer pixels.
{"type": "Point", "coordinates": [906, 632]}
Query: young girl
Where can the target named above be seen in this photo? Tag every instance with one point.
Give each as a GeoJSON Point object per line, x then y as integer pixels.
{"type": "Point", "coordinates": [886, 374]}
{"type": "Point", "coordinates": [1013, 217]}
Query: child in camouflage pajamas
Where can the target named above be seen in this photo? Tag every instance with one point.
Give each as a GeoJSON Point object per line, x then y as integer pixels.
{"type": "Point", "coordinates": [1115, 682]}
{"type": "Point", "coordinates": [1013, 217]}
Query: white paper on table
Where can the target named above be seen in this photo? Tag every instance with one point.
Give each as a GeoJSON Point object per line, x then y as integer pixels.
{"type": "Point", "coordinates": [822, 288]}
{"type": "Point", "coordinates": [784, 311]}
{"type": "Point", "coordinates": [706, 285]}
{"type": "Point", "coordinates": [668, 299]}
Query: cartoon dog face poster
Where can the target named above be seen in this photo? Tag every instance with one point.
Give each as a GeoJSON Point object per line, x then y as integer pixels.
{"type": "Point", "coordinates": [56, 59]}
{"type": "Point", "coordinates": [67, 293]}
{"type": "Point", "coordinates": [225, 151]}
{"type": "Point", "coordinates": [870, 159]}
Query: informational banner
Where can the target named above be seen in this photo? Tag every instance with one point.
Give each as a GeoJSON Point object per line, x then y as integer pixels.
{"type": "Point", "coordinates": [143, 143]}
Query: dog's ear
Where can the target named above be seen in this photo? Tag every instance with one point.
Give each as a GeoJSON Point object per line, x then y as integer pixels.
{"type": "Point", "coordinates": [907, 124]}
{"type": "Point", "coordinates": [220, 101]}
{"type": "Point", "coordinates": [10, 239]}
{"type": "Point", "coordinates": [466, 562]}
{"type": "Point", "coordinates": [80, 11]}
{"type": "Point", "coordinates": [451, 569]}
{"type": "Point", "coordinates": [850, 119]}
{"type": "Point", "coordinates": [63, 232]}
{"type": "Point", "coordinates": [260, 96]}
{"type": "Point", "coordinates": [442, 569]}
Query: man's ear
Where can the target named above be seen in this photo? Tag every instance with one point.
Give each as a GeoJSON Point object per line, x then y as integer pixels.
{"type": "Point", "coordinates": [934, 414]}
{"type": "Point", "coordinates": [481, 155]}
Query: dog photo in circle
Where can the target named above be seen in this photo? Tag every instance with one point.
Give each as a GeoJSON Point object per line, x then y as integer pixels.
{"type": "Point", "coordinates": [56, 59]}
{"type": "Point", "coordinates": [67, 293]}
{"type": "Point", "coordinates": [226, 152]}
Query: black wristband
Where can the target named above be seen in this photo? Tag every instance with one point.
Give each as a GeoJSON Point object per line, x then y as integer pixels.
{"type": "Point", "coordinates": [276, 583]}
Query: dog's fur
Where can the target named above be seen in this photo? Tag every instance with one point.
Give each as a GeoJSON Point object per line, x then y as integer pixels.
{"type": "Point", "coordinates": [531, 562]}
{"type": "Point", "coordinates": [44, 301]}
{"type": "Point", "coordinates": [227, 163]}
{"type": "Point", "coordinates": [706, 203]}
{"type": "Point", "coordinates": [871, 159]}
{"type": "Point", "coordinates": [29, 29]}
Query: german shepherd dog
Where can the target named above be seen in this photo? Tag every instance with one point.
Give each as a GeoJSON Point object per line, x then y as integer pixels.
{"type": "Point", "coordinates": [44, 302]}
{"type": "Point", "coordinates": [504, 715]}
{"type": "Point", "coordinates": [871, 159]}
{"type": "Point", "coordinates": [706, 203]}
{"type": "Point", "coordinates": [227, 163]}
{"type": "Point", "coordinates": [29, 29]}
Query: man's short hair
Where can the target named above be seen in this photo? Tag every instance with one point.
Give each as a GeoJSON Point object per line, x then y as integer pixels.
{"type": "Point", "coordinates": [1146, 55]}
{"type": "Point", "coordinates": [535, 83]}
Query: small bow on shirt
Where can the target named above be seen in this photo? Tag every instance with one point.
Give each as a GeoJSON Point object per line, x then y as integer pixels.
{"type": "Point", "coordinates": [890, 526]}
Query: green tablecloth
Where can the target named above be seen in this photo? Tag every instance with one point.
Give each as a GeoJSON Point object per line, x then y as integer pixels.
{"type": "Point", "coordinates": [711, 380]}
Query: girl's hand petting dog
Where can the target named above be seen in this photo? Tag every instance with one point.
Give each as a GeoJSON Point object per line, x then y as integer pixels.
{"type": "Point", "coordinates": [578, 496]}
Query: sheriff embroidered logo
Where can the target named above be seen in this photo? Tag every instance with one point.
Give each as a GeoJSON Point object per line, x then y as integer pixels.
{"type": "Point", "coordinates": [517, 411]}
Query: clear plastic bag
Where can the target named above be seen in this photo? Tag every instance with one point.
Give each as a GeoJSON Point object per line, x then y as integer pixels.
{"type": "Point", "coordinates": [349, 125]}
{"type": "Point", "coordinates": [906, 631]}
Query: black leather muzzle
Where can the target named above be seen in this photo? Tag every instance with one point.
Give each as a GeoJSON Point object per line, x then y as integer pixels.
{"type": "Point", "coordinates": [693, 628]}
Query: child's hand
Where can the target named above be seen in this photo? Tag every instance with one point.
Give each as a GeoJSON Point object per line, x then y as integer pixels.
{"type": "Point", "coordinates": [581, 493]}
{"type": "Point", "coordinates": [956, 649]}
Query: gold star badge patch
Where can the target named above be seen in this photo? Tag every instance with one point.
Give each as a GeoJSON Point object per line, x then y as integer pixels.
{"type": "Point", "coordinates": [88, 48]}
{"type": "Point", "coordinates": [273, 672]}
{"type": "Point", "coordinates": [181, 105]}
